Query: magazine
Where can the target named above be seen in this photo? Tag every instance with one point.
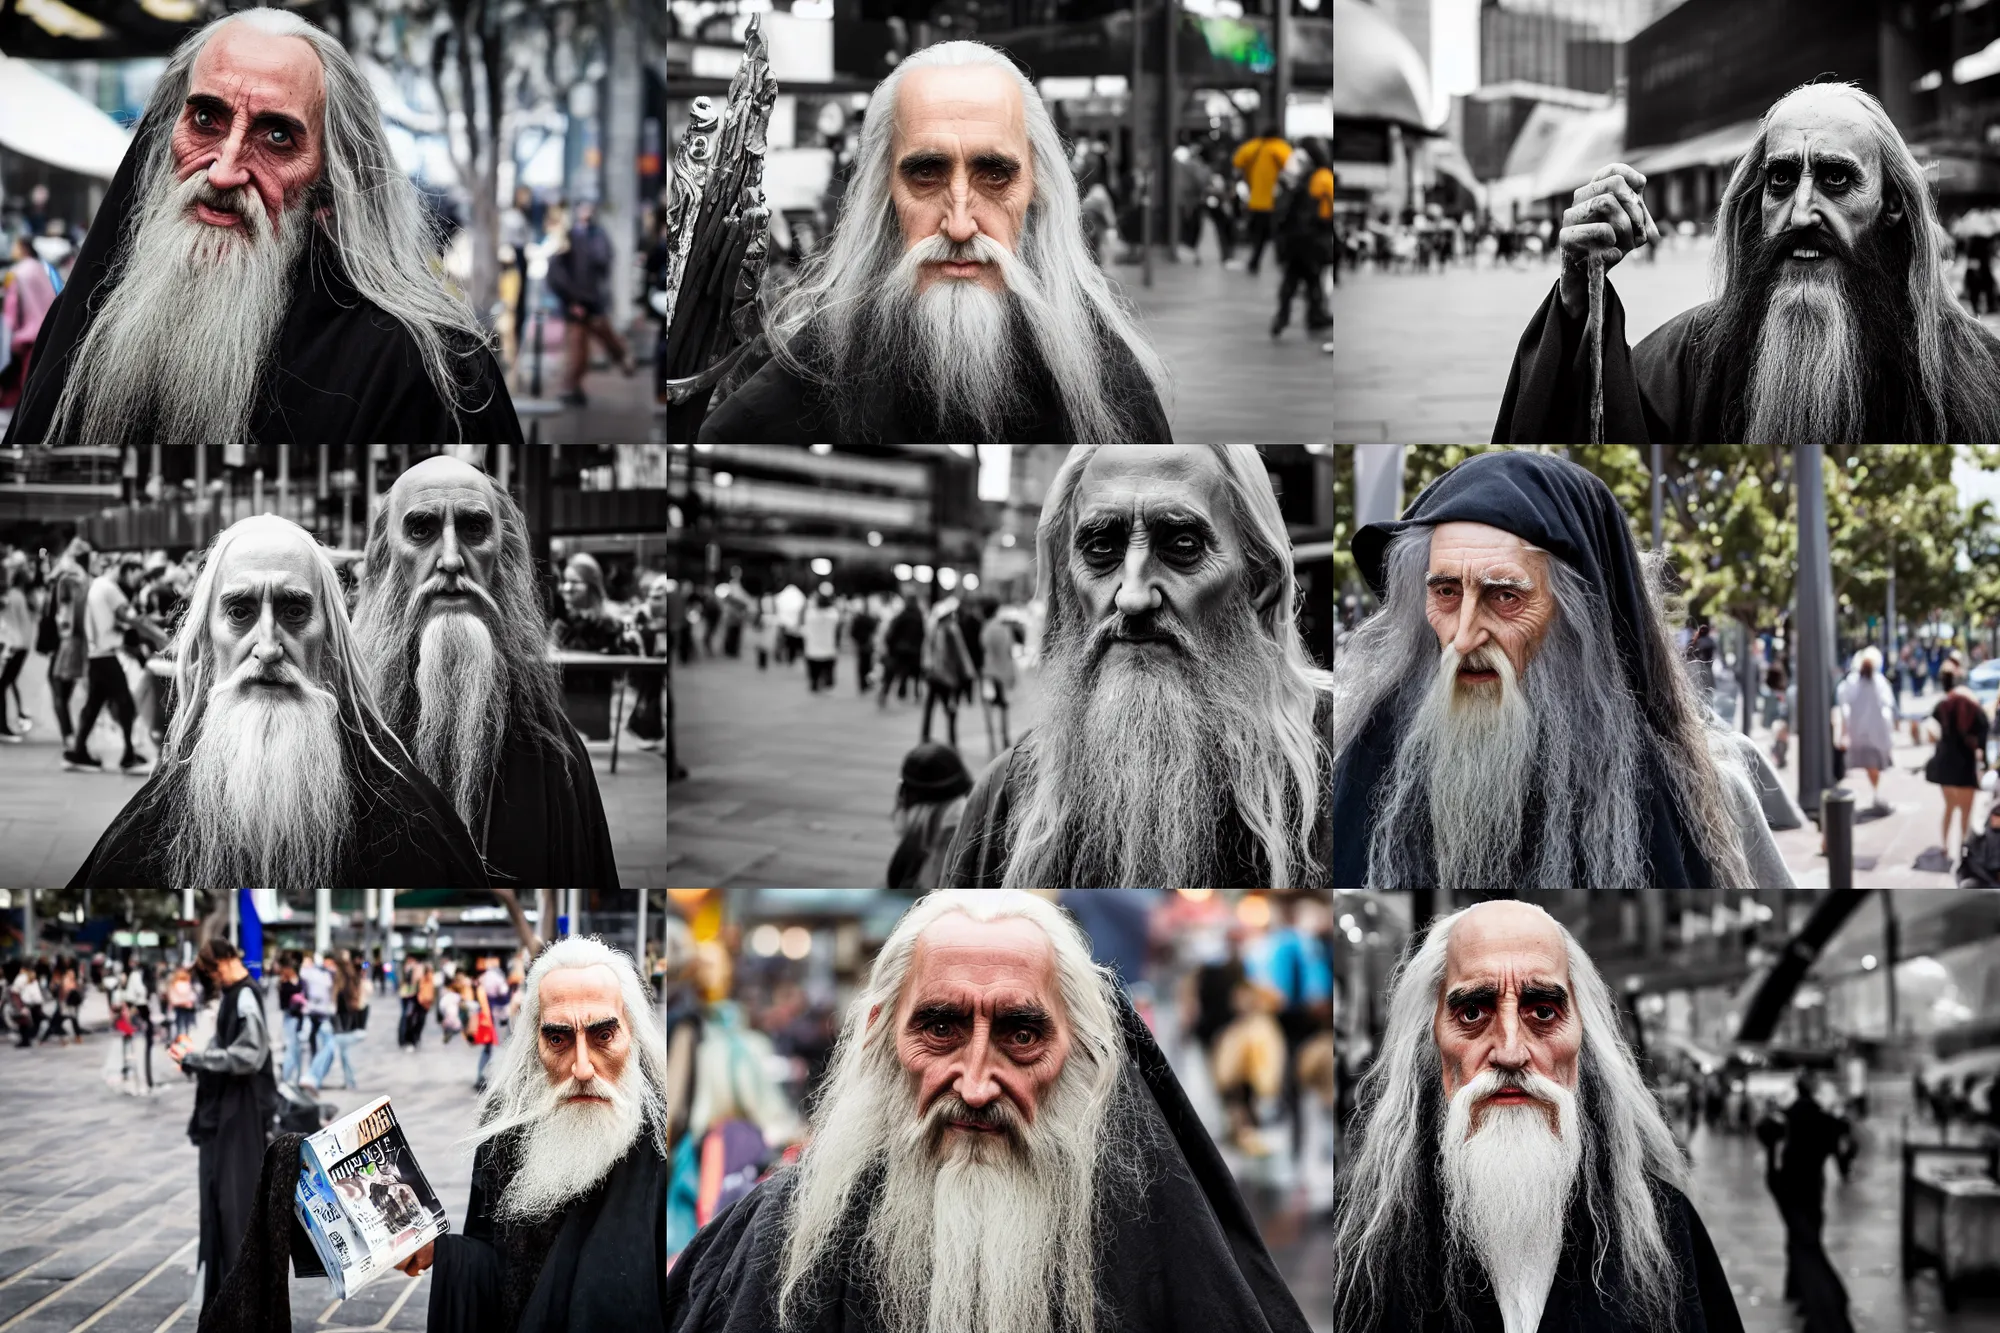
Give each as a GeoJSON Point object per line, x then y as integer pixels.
{"type": "Point", "coordinates": [363, 1199]}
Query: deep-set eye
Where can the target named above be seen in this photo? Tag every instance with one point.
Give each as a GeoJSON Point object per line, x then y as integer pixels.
{"type": "Point", "coordinates": [1781, 177]}
{"type": "Point", "coordinates": [941, 1030]}
{"type": "Point", "coordinates": [1835, 178]}
{"type": "Point", "coordinates": [1471, 1013]}
{"type": "Point", "coordinates": [419, 529]}
{"type": "Point", "coordinates": [203, 117]}
{"type": "Point", "coordinates": [240, 613]}
{"type": "Point", "coordinates": [297, 613]}
{"type": "Point", "coordinates": [280, 137]}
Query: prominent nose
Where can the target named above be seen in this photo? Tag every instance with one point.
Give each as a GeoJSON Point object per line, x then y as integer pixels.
{"type": "Point", "coordinates": [1805, 203]}
{"type": "Point", "coordinates": [1510, 1049]}
{"type": "Point", "coordinates": [227, 171]}
{"type": "Point", "coordinates": [582, 1070]}
{"type": "Point", "coordinates": [449, 560]}
{"type": "Point", "coordinates": [267, 647]}
{"type": "Point", "coordinates": [1470, 634]}
{"type": "Point", "coordinates": [959, 224]}
{"type": "Point", "coordinates": [1137, 593]}
{"type": "Point", "coordinates": [976, 1085]}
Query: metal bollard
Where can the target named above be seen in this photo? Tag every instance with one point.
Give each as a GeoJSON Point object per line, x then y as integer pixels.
{"type": "Point", "coordinates": [535, 362]}
{"type": "Point", "coordinates": [1836, 820]}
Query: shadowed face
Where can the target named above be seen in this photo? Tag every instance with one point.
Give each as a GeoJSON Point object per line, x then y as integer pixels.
{"type": "Point", "coordinates": [1505, 1004]}
{"type": "Point", "coordinates": [1487, 586]}
{"type": "Point", "coordinates": [981, 1017]}
{"type": "Point", "coordinates": [254, 116]}
{"type": "Point", "coordinates": [961, 165]}
{"type": "Point", "coordinates": [445, 534]}
{"type": "Point", "coordinates": [583, 1034]}
{"type": "Point", "coordinates": [267, 610]}
{"type": "Point", "coordinates": [1822, 173]}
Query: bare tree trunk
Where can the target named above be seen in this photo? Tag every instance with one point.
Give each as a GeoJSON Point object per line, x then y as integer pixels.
{"type": "Point", "coordinates": [623, 108]}
{"type": "Point", "coordinates": [530, 941]}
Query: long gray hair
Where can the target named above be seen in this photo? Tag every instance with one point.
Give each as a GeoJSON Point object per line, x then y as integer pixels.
{"type": "Point", "coordinates": [1595, 731]}
{"type": "Point", "coordinates": [1386, 1218]}
{"type": "Point", "coordinates": [866, 1104]}
{"type": "Point", "coordinates": [1079, 312]}
{"type": "Point", "coordinates": [1953, 353]}
{"type": "Point", "coordinates": [364, 204]}
{"type": "Point", "coordinates": [1280, 806]}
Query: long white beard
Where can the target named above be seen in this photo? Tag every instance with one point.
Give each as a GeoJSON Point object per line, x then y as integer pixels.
{"type": "Point", "coordinates": [570, 1146]}
{"type": "Point", "coordinates": [960, 335]}
{"type": "Point", "coordinates": [177, 349]}
{"type": "Point", "coordinates": [1475, 749]}
{"type": "Point", "coordinates": [1807, 384]}
{"type": "Point", "coordinates": [267, 794]}
{"type": "Point", "coordinates": [461, 709]}
{"type": "Point", "coordinates": [1507, 1188]}
{"type": "Point", "coordinates": [976, 1235]}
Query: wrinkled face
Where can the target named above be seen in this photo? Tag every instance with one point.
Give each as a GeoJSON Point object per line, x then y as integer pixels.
{"type": "Point", "coordinates": [960, 165]}
{"type": "Point", "coordinates": [444, 532]}
{"type": "Point", "coordinates": [1822, 171]}
{"type": "Point", "coordinates": [1505, 1003]}
{"type": "Point", "coordinates": [254, 116]}
{"type": "Point", "coordinates": [982, 1018]}
{"type": "Point", "coordinates": [267, 620]}
{"type": "Point", "coordinates": [1155, 539]}
{"type": "Point", "coordinates": [1487, 587]}
{"type": "Point", "coordinates": [583, 1035]}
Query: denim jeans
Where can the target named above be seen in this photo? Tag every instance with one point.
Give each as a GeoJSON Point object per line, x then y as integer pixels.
{"type": "Point", "coordinates": [295, 1048]}
{"type": "Point", "coordinates": [322, 1063]}
{"type": "Point", "coordinates": [485, 1057]}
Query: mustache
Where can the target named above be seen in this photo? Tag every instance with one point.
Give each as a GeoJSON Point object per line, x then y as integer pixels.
{"type": "Point", "coordinates": [572, 1087]}
{"type": "Point", "coordinates": [998, 1115]}
{"type": "Point", "coordinates": [439, 584]}
{"type": "Point", "coordinates": [1551, 1095]}
{"type": "Point", "coordinates": [281, 673]}
{"type": "Point", "coordinates": [241, 200]}
{"type": "Point", "coordinates": [1147, 627]}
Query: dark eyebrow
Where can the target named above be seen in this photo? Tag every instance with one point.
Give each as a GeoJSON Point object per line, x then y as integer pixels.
{"type": "Point", "coordinates": [279, 120]}
{"type": "Point", "coordinates": [938, 1011]}
{"type": "Point", "coordinates": [557, 1031]}
{"type": "Point", "coordinates": [922, 159]}
{"type": "Point", "coordinates": [1464, 995]}
{"type": "Point", "coordinates": [1025, 1015]}
{"type": "Point", "coordinates": [991, 160]}
{"type": "Point", "coordinates": [603, 1027]}
{"type": "Point", "coordinates": [1439, 580]}
{"type": "Point", "coordinates": [1544, 992]}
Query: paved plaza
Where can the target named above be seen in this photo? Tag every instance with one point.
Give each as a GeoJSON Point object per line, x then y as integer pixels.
{"type": "Point", "coordinates": [792, 788]}
{"type": "Point", "coordinates": [51, 818]}
{"type": "Point", "coordinates": [98, 1212]}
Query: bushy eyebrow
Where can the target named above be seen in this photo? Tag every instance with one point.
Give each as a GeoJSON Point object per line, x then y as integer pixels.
{"type": "Point", "coordinates": [1821, 157]}
{"type": "Point", "coordinates": [938, 1011]}
{"type": "Point", "coordinates": [922, 159]}
{"type": "Point", "coordinates": [1488, 582]}
{"type": "Point", "coordinates": [1534, 992]}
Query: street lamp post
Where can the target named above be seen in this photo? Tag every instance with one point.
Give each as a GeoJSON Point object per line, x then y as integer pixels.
{"type": "Point", "coordinates": [1814, 593]}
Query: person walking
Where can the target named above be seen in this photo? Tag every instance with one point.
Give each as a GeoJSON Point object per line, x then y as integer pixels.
{"type": "Point", "coordinates": [1304, 236]}
{"type": "Point", "coordinates": [947, 667]}
{"type": "Point", "coordinates": [1259, 161]}
{"type": "Point", "coordinates": [1959, 728]}
{"type": "Point", "coordinates": [32, 286]}
{"type": "Point", "coordinates": [63, 616]}
{"type": "Point", "coordinates": [235, 1098]}
{"type": "Point", "coordinates": [317, 979]}
{"type": "Point", "coordinates": [426, 996]}
{"type": "Point", "coordinates": [1797, 1146]}
{"type": "Point", "coordinates": [108, 613]}
{"type": "Point", "coordinates": [17, 636]}
{"type": "Point", "coordinates": [30, 1000]}
{"type": "Point", "coordinates": [181, 1001]}
{"type": "Point", "coordinates": [902, 650]}
{"type": "Point", "coordinates": [495, 992]}
{"type": "Point", "coordinates": [483, 1032]}
{"type": "Point", "coordinates": [350, 1021]}
{"type": "Point", "coordinates": [580, 277]}
{"type": "Point", "coordinates": [861, 630]}
{"type": "Point", "coordinates": [820, 630]}
{"type": "Point", "coordinates": [291, 1016]}
{"type": "Point", "coordinates": [1868, 718]}
{"type": "Point", "coordinates": [132, 1003]}
{"type": "Point", "coordinates": [996, 668]}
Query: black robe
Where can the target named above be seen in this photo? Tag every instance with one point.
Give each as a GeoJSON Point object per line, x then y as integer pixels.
{"type": "Point", "coordinates": [545, 827]}
{"type": "Point", "coordinates": [1185, 1258]}
{"type": "Point", "coordinates": [1660, 392]}
{"type": "Point", "coordinates": [599, 1266]}
{"type": "Point", "coordinates": [979, 851]}
{"type": "Point", "coordinates": [407, 837]}
{"type": "Point", "coordinates": [343, 371]}
{"type": "Point", "coordinates": [231, 1118]}
{"type": "Point", "coordinates": [777, 406]}
{"type": "Point", "coordinates": [1563, 509]}
{"type": "Point", "coordinates": [1576, 1302]}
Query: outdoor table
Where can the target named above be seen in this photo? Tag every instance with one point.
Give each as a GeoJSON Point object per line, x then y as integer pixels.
{"type": "Point", "coordinates": [1951, 1214]}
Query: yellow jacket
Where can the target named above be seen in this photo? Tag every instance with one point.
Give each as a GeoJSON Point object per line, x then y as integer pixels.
{"type": "Point", "coordinates": [1260, 161]}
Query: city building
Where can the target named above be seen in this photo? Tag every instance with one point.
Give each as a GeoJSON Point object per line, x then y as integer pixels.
{"type": "Point", "coordinates": [852, 515]}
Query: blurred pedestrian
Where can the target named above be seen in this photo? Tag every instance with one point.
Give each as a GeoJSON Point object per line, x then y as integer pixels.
{"type": "Point", "coordinates": [819, 631]}
{"type": "Point", "coordinates": [947, 666]}
{"type": "Point", "coordinates": [584, 625]}
{"type": "Point", "coordinates": [30, 1003]}
{"type": "Point", "coordinates": [63, 629]}
{"type": "Point", "coordinates": [32, 286]}
{"type": "Point", "coordinates": [17, 636]}
{"type": "Point", "coordinates": [108, 613]}
{"type": "Point", "coordinates": [861, 630]}
{"type": "Point", "coordinates": [996, 669]}
{"type": "Point", "coordinates": [1868, 720]}
{"type": "Point", "coordinates": [1259, 160]}
{"type": "Point", "coordinates": [494, 994]}
{"type": "Point", "coordinates": [902, 651]}
{"type": "Point", "coordinates": [1293, 964]}
{"type": "Point", "coordinates": [580, 277]}
{"type": "Point", "coordinates": [1959, 728]}
{"type": "Point", "coordinates": [1303, 232]}
{"type": "Point", "coordinates": [235, 1098]}
{"type": "Point", "coordinates": [291, 1016]}
{"type": "Point", "coordinates": [317, 981]}
{"type": "Point", "coordinates": [350, 1023]}
{"type": "Point", "coordinates": [1798, 1144]}
{"type": "Point", "coordinates": [181, 999]}
{"type": "Point", "coordinates": [930, 799]}
{"type": "Point", "coordinates": [1979, 860]}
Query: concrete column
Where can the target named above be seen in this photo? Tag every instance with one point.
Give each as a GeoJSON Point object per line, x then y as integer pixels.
{"type": "Point", "coordinates": [623, 109]}
{"type": "Point", "coordinates": [322, 920]}
{"type": "Point", "coordinates": [640, 935]}
{"type": "Point", "coordinates": [30, 928]}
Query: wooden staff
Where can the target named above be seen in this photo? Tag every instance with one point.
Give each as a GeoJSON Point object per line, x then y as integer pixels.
{"type": "Point", "coordinates": [1594, 333]}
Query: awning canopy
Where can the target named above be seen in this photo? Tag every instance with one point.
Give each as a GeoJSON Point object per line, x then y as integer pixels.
{"type": "Point", "coordinates": [1559, 148]}
{"type": "Point", "coordinates": [49, 122]}
{"type": "Point", "coordinates": [1717, 148]}
{"type": "Point", "coordinates": [1377, 74]}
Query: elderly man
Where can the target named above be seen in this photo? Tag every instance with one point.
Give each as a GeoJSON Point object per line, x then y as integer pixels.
{"type": "Point", "coordinates": [278, 772]}
{"type": "Point", "coordinates": [1000, 1146]}
{"type": "Point", "coordinates": [452, 630]}
{"type": "Point", "coordinates": [566, 1228]}
{"type": "Point", "coordinates": [1517, 715]}
{"type": "Point", "coordinates": [1835, 322]}
{"type": "Point", "coordinates": [261, 270]}
{"type": "Point", "coordinates": [1183, 743]}
{"type": "Point", "coordinates": [1514, 1172]}
{"type": "Point", "coordinates": [957, 300]}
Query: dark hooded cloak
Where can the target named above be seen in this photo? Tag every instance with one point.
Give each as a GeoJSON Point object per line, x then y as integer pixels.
{"type": "Point", "coordinates": [343, 371]}
{"type": "Point", "coordinates": [1566, 511]}
{"type": "Point", "coordinates": [406, 836]}
{"type": "Point", "coordinates": [1184, 1258]}
{"type": "Point", "coordinates": [1577, 1302]}
{"type": "Point", "coordinates": [546, 824]}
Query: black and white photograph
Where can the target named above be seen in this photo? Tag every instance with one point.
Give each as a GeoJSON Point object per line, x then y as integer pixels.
{"type": "Point", "coordinates": [1666, 221]}
{"type": "Point", "coordinates": [316, 666]}
{"type": "Point", "coordinates": [1043, 666]}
